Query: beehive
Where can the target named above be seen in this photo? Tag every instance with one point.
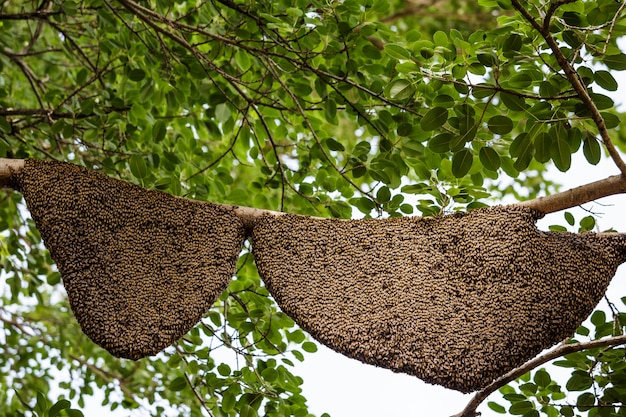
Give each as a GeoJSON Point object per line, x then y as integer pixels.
{"type": "Point", "coordinates": [457, 300]}
{"type": "Point", "coordinates": [140, 267]}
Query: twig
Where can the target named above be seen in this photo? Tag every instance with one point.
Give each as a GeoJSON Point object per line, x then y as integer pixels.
{"type": "Point", "coordinates": [563, 349]}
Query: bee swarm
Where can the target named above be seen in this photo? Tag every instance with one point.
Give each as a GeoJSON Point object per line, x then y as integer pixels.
{"type": "Point", "coordinates": [140, 267]}
{"type": "Point", "coordinates": [456, 300]}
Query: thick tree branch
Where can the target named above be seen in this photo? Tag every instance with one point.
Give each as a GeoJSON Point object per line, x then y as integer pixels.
{"type": "Point", "coordinates": [7, 168]}
{"type": "Point", "coordinates": [563, 349]}
{"type": "Point", "coordinates": [613, 185]}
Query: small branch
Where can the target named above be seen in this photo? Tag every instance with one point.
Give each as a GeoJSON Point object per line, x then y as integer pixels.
{"type": "Point", "coordinates": [107, 376]}
{"type": "Point", "coordinates": [563, 349]}
{"type": "Point", "coordinates": [55, 114]}
{"type": "Point", "coordinates": [28, 16]}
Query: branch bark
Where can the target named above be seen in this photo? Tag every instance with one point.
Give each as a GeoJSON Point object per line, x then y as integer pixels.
{"type": "Point", "coordinates": [612, 185]}
{"type": "Point", "coordinates": [563, 349]}
{"type": "Point", "coordinates": [7, 168]}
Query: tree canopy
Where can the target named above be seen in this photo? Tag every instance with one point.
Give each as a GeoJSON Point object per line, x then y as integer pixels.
{"type": "Point", "coordinates": [349, 108]}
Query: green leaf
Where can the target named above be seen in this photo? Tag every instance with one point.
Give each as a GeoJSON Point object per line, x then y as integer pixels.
{"type": "Point", "coordinates": [542, 378]}
{"type": "Point", "coordinates": [397, 51]}
{"type": "Point", "coordinates": [58, 407]}
{"type": "Point", "coordinates": [333, 145]}
{"type": "Point", "coordinates": [434, 118]}
{"type": "Point", "coordinates": [543, 146]}
{"type": "Point", "coordinates": [585, 401]}
{"type": "Point", "coordinates": [5, 126]}
{"type": "Point", "coordinates": [489, 158]}
{"type": "Point", "coordinates": [512, 43]}
{"type": "Point", "coordinates": [557, 228]}
{"type": "Point", "coordinates": [136, 74]}
{"type": "Point", "coordinates": [592, 150]}
{"type": "Point", "coordinates": [138, 166]}
{"type": "Point", "coordinates": [569, 218]}
{"type": "Point", "coordinates": [42, 403]}
{"type": "Point", "coordinates": [243, 60]}
{"type": "Point", "coordinates": [269, 374]}
{"type": "Point", "coordinates": [365, 205]}
{"type": "Point", "coordinates": [178, 384]}
{"type": "Point", "coordinates": [513, 102]}
{"type": "Point", "coordinates": [488, 59]}
{"type": "Point", "coordinates": [223, 369]}
{"type": "Point", "coordinates": [605, 80]}
{"type": "Point", "coordinates": [427, 53]}
{"type": "Point", "coordinates": [443, 100]}
{"type": "Point", "coordinates": [587, 223]}
{"type": "Point", "coordinates": [561, 155]}
{"type": "Point", "coordinates": [500, 125]}
{"type": "Point", "coordinates": [519, 81]}
{"type": "Point", "coordinates": [610, 120]}
{"type": "Point", "coordinates": [462, 162]}
{"type": "Point", "coordinates": [615, 62]}
{"type": "Point", "coordinates": [598, 318]}
{"type": "Point", "coordinates": [309, 347]}
{"type": "Point", "coordinates": [53, 278]}
{"type": "Point", "coordinates": [520, 145]}
{"type": "Point", "coordinates": [228, 402]}
{"type": "Point", "coordinates": [400, 90]}
{"type": "Point", "coordinates": [496, 407]}
{"type": "Point", "coordinates": [159, 130]}
{"type": "Point", "coordinates": [579, 381]}
{"type": "Point", "coordinates": [440, 143]}
{"type": "Point", "coordinates": [440, 38]}
{"type": "Point", "coordinates": [521, 408]}
{"type": "Point", "coordinates": [222, 112]}
{"type": "Point", "coordinates": [383, 195]}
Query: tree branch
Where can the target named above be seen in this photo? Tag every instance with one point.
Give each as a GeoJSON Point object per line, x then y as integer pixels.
{"type": "Point", "coordinates": [562, 349]}
{"type": "Point", "coordinates": [7, 168]}
{"type": "Point", "coordinates": [613, 185]}
{"type": "Point", "coordinates": [40, 14]}
{"type": "Point", "coordinates": [572, 76]}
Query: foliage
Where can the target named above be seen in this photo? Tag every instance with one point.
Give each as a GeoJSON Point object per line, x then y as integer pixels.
{"type": "Point", "coordinates": [370, 108]}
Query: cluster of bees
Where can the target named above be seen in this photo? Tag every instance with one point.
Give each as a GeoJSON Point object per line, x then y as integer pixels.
{"type": "Point", "coordinates": [456, 300]}
{"type": "Point", "coordinates": [140, 267]}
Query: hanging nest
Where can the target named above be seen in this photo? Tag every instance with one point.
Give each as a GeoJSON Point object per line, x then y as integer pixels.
{"type": "Point", "coordinates": [140, 267]}
{"type": "Point", "coordinates": [457, 300]}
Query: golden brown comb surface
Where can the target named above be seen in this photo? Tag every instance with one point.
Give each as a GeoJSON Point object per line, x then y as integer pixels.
{"type": "Point", "coordinates": [140, 267]}
{"type": "Point", "coordinates": [456, 300]}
